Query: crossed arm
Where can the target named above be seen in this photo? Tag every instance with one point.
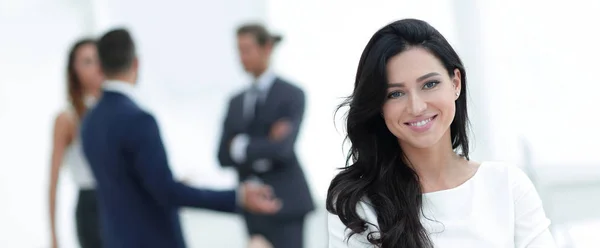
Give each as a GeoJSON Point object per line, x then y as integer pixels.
{"type": "Point", "coordinates": [240, 149]}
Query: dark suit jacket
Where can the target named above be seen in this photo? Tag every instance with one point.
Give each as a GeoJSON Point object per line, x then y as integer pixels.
{"type": "Point", "coordinates": [283, 100]}
{"type": "Point", "coordinates": [138, 198]}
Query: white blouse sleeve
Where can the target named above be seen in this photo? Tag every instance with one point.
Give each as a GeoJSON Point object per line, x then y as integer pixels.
{"type": "Point", "coordinates": [531, 223]}
{"type": "Point", "coordinates": [338, 232]}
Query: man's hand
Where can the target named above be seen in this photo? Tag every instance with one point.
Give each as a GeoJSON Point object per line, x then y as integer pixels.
{"type": "Point", "coordinates": [259, 198]}
{"type": "Point", "coordinates": [280, 130]}
{"type": "Point", "coordinates": [258, 241]}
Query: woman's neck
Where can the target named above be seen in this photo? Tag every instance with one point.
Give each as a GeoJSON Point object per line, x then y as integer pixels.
{"type": "Point", "coordinates": [92, 93]}
{"type": "Point", "coordinates": [437, 166]}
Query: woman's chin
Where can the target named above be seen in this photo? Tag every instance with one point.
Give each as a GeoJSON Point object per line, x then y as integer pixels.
{"type": "Point", "coordinates": [420, 142]}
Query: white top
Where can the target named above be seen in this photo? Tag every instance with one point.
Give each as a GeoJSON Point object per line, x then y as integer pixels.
{"type": "Point", "coordinates": [75, 159]}
{"type": "Point", "coordinates": [497, 207]}
{"type": "Point", "coordinates": [78, 165]}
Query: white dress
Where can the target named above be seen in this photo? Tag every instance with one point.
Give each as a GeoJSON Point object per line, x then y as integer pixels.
{"type": "Point", "coordinates": [78, 165]}
{"type": "Point", "coordinates": [75, 160]}
{"type": "Point", "coordinates": [497, 207]}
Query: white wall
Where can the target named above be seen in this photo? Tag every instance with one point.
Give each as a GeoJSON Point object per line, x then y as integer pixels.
{"type": "Point", "coordinates": [541, 60]}
{"type": "Point", "coordinates": [36, 36]}
{"type": "Point", "coordinates": [543, 68]}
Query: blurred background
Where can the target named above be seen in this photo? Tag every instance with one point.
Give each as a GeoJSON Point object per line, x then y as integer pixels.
{"type": "Point", "coordinates": [532, 73]}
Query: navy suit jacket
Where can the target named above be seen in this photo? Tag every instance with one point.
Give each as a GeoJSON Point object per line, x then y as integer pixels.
{"type": "Point", "coordinates": [283, 101]}
{"type": "Point", "coordinates": [138, 197]}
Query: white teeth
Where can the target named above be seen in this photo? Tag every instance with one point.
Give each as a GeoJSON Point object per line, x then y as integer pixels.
{"type": "Point", "coordinates": [420, 123]}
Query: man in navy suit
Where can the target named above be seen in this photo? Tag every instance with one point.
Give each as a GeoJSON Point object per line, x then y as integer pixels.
{"type": "Point", "coordinates": [138, 197]}
{"type": "Point", "coordinates": [259, 136]}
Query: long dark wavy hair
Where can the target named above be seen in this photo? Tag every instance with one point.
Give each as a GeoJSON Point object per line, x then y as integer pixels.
{"type": "Point", "coordinates": [376, 167]}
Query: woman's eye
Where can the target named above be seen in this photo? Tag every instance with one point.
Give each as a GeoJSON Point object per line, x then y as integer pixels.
{"type": "Point", "coordinates": [395, 94]}
{"type": "Point", "coordinates": [430, 84]}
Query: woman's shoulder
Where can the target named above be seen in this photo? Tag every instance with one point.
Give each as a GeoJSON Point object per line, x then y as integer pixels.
{"type": "Point", "coordinates": [68, 113]}
{"type": "Point", "coordinates": [510, 175]}
{"type": "Point", "coordinates": [65, 120]}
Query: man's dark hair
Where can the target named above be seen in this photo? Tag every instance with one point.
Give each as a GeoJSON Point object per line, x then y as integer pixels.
{"type": "Point", "coordinates": [116, 51]}
{"type": "Point", "coordinates": [260, 33]}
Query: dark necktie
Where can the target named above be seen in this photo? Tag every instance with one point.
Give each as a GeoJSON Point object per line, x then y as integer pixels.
{"type": "Point", "coordinates": [257, 101]}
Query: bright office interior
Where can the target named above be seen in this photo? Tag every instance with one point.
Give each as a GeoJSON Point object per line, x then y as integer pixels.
{"type": "Point", "coordinates": [532, 79]}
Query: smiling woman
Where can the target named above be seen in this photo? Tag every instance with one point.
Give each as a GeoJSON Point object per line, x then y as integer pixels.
{"type": "Point", "coordinates": [409, 181]}
{"type": "Point", "coordinates": [424, 81]}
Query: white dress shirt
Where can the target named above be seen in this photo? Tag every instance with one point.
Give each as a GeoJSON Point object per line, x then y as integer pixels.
{"type": "Point", "coordinates": [127, 89]}
{"type": "Point", "coordinates": [497, 208]}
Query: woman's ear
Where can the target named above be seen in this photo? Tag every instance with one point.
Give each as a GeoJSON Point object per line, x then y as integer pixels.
{"type": "Point", "coordinates": [456, 81]}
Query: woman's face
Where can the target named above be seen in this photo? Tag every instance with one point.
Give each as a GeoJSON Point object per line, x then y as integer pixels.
{"type": "Point", "coordinates": [419, 105]}
{"type": "Point", "coordinates": [87, 67]}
